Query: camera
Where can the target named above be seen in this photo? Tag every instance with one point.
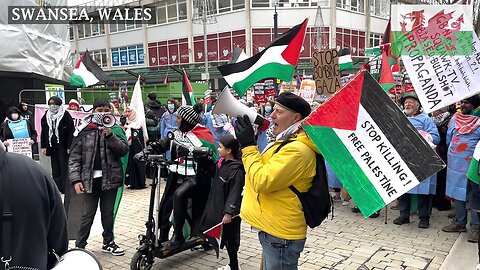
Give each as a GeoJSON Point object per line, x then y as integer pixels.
{"type": "Point", "coordinates": [182, 150]}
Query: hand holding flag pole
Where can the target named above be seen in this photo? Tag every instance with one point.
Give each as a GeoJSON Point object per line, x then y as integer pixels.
{"type": "Point", "coordinates": [214, 236]}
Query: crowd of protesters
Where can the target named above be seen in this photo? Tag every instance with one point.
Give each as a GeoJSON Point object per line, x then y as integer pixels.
{"type": "Point", "coordinates": [256, 168]}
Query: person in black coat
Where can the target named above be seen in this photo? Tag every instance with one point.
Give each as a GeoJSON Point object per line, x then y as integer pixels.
{"type": "Point", "coordinates": [24, 112]}
{"type": "Point", "coordinates": [22, 128]}
{"type": "Point", "coordinates": [227, 192]}
{"type": "Point", "coordinates": [38, 223]}
{"type": "Point", "coordinates": [442, 118]}
{"type": "Point", "coordinates": [153, 112]}
{"type": "Point", "coordinates": [55, 139]}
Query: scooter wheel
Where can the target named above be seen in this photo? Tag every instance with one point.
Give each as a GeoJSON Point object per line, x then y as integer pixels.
{"type": "Point", "coordinates": [140, 262]}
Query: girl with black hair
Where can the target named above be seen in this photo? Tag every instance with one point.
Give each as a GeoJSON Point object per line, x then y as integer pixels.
{"type": "Point", "coordinates": [225, 198]}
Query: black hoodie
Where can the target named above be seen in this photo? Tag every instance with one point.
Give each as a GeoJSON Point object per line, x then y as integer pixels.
{"type": "Point", "coordinates": [226, 193]}
{"type": "Point", "coordinates": [6, 133]}
{"type": "Point", "coordinates": [156, 107]}
{"type": "Point", "coordinates": [39, 222]}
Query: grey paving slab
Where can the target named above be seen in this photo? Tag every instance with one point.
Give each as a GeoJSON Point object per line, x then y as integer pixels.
{"type": "Point", "coordinates": [347, 242]}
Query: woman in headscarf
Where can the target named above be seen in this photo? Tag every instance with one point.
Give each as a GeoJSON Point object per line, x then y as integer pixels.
{"type": "Point", "coordinates": [55, 139]}
{"type": "Point", "coordinates": [16, 127]}
{"type": "Point", "coordinates": [135, 176]}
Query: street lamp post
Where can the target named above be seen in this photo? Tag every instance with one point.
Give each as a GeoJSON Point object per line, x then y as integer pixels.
{"type": "Point", "coordinates": [275, 35]}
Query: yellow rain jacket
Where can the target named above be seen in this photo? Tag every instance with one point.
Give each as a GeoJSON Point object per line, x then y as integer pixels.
{"type": "Point", "coordinates": [268, 203]}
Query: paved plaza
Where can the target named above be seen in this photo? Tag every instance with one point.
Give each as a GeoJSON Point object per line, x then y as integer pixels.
{"type": "Point", "coordinates": [347, 242]}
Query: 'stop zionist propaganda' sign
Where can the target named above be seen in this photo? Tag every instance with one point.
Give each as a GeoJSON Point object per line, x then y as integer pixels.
{"type": "Point", "coordinates": [440, 51]}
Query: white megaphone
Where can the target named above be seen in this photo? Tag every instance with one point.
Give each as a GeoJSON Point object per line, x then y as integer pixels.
{"type": "Point", "coordinates": [229, 105]}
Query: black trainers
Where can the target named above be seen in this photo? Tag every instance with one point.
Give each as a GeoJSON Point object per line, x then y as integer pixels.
{"type": "Point", "coordinates": [113, 249]}
{"type": "Point", "coordinates": [355, 209]}
{"type": "Point", "coordinates": [375, 215]}
{"type": "Point", "coordinates": [424, 224]}
{"type": "Point", "coordinates": [400, 221]}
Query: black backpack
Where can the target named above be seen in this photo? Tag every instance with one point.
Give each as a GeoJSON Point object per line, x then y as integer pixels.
{"type": "Point", "coordinates": [316, 202]}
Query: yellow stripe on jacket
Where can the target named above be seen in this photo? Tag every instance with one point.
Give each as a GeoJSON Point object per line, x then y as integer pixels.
{"type": "Point", "coordinates": [268, 203]}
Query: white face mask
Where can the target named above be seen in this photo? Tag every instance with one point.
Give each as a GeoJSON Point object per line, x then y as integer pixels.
{"type": "Point", "coordinates": [268, 109]}
{"type": "Point", "coordinates": [170, 106]}
{"type": "Point", "coordinates": [54, 108]}
{"type": "Point", "coordinates": [15, 116]}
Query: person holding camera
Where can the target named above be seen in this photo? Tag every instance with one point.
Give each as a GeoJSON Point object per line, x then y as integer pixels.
{"type": "Point", "coordinates": [97, 167]}
{"type": "Point", "coordinates": [189, 176]}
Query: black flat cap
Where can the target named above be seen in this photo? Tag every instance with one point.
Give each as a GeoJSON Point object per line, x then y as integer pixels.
{"type": "Point", "coordinates": [474, 100]}
{"type": "Point", "coordinates": [294, 103]}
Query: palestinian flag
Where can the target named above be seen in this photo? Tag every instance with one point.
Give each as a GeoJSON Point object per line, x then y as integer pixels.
{"type": "Point", "coordinates": [374, 150]}
{"type": "Point", "coordinates": [87, 72]}
{"type": "Point", "coordinates": [473, 172]}
{"type": "Point", "coordinates": [278, 60]}
{"type": "Point", "coordinates": [345, 59]}
{"type": "Point", "coordinates": [206, 137]}
{"type": "Point", "coordinates": [117, 130]}
{"type": "Point", "coordinates": [386, 76]}
{"type": "Point", "coordinates": [374, 51]}
{"type": "Point", "coordinates": [214, 237]}
{"type": "Point", "coordinates": [187, 92]}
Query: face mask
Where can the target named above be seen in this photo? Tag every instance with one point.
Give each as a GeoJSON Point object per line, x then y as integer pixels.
{"type": "Point", "coordinates": [54, 108]}
{"type": "Point", "coordinates": [14, 116]}
{"type": "Point", "coordinates": [268, 109]}
{"type": "Point", "coordinates": [170, 106]}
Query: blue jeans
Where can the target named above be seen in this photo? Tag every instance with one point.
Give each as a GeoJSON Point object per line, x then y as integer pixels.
{"type": "Point", "coordinates": [278, 253]}
{"type": "Point", "coordinates": [461, 214]}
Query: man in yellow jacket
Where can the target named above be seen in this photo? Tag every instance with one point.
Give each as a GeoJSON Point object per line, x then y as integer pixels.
{"type": "Point", "coordinates": [268, 203]}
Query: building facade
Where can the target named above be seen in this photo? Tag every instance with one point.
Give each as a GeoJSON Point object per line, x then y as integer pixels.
{"type": "Point", "coordinates": [174, 37]}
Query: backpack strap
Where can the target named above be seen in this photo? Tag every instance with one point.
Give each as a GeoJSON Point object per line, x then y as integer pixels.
{"type": "Point", "coordinates": [6, 207]}
{"type": "Point", "coordinates": [294, 189]}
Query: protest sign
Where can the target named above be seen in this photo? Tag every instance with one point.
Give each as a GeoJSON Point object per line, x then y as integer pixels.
{"type": "Point", "coordinates": [440, 51]}
{"type": "Point", "coordinates": [270, 90]}
{"type": "Point", "coordinates": [54, 90]}
{"type": "Point", "coordinates": [259, 92]}
{"type": "Point", "coordinates": [326, 72]}
{"type": "Point", "coordinates": [307, 90]}
{"type": "Point", "coordinates": [20, 146]}
{"type": "Point", "coordinates": [374, 150]}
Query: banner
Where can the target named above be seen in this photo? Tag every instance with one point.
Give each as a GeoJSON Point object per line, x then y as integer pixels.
{"type": "Point", "coordinates": [20, 146]}
{"type": "Point", "coordinates": [40, 112]}
{"type": "Point", "coordinates": [307, 90]}
{"type": "Point", "coordinates": [326, 72]}
{"type": "Point", "coordinates": [439, 50]}
{"type": "Point", "coordinates": [374, 150]}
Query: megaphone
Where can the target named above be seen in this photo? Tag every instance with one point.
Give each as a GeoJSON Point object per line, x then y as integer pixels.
{"type": "Point", "coordinates": [229, 105]}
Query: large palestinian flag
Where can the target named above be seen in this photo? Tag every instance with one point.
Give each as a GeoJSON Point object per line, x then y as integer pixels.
{"type": "Point", "coordinates": [278, 60]}
{"type": "Point", "coordinates": [370, 144]}
{"type": "Point", "coordinates": [87, 72]}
